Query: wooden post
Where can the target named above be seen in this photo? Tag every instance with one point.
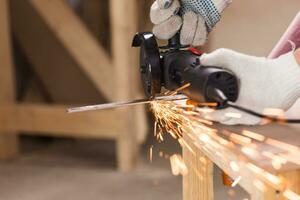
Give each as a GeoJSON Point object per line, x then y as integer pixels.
{"type": "Point", "coordinates": [9, 140]}
{"type": "Point", "coordinates": [124, 25]}
{"type": "Point", "coordinates": [198, 183]}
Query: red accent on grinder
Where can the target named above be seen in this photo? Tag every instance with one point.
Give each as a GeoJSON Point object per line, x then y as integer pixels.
{"type": "Point", "coordinates": [195, 51]}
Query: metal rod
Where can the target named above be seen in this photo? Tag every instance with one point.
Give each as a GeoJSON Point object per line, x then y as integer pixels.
{"type": "Point", "coordinates": [125, 103]}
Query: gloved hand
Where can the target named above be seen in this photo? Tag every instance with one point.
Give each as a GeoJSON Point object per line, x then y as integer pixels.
{"type": "Point", "coordinates": [264, 83]}
{"type": "Point", "coordinates": [195, 17]}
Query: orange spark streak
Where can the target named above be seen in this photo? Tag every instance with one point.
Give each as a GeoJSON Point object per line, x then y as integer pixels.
{"type": "Point", "coordinates": [234, 166]}
{"type": "Point", "coordinates": [208, 104]}
{"type": "Point", "coordinates": [204, 110]}
{"type": "Point", "coordinates": [240, 139]}
{"type": "Point", "coordinates": [180, 89]}
{"type": "Point", "coordinates": [268, 177]}
{"type": "Point", "coordinates": [272, 178]}
{"type": "Point", "coordinates": [151, 154]}
{"type": "Point", "coordinates": [177, 165]}
{"type": "Point", "coordinates": [177, 118]}
{"type": "Point", "coordinates": [253, 135]}
{"type": "Point", "coordinates": [283, 145]}
{"type": "Point", "coordinates": [249, 151]}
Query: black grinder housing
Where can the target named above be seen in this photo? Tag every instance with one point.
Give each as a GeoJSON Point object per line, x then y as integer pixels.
{"type": "Point", "coordinates": [174, 66]}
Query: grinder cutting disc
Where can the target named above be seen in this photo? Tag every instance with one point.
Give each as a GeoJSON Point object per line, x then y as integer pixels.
{"type": "Point", "coordinates": [149, 63]}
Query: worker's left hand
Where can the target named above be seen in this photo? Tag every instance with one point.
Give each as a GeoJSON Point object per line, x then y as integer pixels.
{"type": "Point", "coordinates": [193, 18]}
{"type": "Point", "coordinates": [264, 83]}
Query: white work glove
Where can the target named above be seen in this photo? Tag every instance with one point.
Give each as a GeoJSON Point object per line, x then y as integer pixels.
{"type": "Point", "coordinates": [264, 83]}
{"type": "Point", "coordinates": [195, 17]}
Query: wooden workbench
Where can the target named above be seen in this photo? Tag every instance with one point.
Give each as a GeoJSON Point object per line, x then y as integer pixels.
{"type": "Point", "coordinates": [257, 175]}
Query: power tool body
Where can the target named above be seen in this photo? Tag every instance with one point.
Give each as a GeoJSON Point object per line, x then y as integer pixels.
{"type": "Point", "coordinates": [174, 66]}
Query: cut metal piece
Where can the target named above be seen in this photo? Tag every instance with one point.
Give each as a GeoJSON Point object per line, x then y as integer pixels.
{"type": "Point", "coordinates": [125, 103]}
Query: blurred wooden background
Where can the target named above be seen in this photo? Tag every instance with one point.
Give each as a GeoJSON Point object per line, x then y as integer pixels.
{"type": "Point", "coordinates": [253, 27]}
{"type": "Point", "coordinates": [58, 53]}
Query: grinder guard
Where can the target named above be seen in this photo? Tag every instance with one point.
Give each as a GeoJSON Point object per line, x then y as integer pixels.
{"type": "Point", "coordinates": [149, 63]}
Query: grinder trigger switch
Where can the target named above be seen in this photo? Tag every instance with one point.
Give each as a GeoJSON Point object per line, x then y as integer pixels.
{"type": "Point", "coordinates": [195, 51]}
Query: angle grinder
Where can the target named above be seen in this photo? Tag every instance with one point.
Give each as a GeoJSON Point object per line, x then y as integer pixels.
{"type": "Point", "coordinates": [173, 66]}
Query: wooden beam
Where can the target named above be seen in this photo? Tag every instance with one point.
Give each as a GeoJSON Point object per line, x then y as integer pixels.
{"type": "Point", "coordinates": [198, 182]}
{"type": "Point", "coordinates": [64, 54]}
{"type": "Point", "coordinates": [8, 140]}
{"type": "Point", "coordinates": [92, 59]}
{"type": "Point", "coordinates": [54, 121]}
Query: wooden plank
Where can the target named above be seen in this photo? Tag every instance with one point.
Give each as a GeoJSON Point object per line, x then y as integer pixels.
{"type": "Point", "coordinates": [198, 182]}
{"type": "Point", "coordinates": [258, 177]}
{"type": "Point", "coordinates": [250, 182]}
{"type": "Point", "coordinates": [8, 140]}
{"type": "Point", "coordinates": [64, 54]}
{"type": "Point", "coordinates": [292, 183]}
{"type": "Point", "coordinates": [53, 120]}
{"type": "Point", "coordinates": [283, 133]}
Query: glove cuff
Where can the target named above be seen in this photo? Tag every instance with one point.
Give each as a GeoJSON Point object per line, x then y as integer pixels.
{"type": "Point", "coordinates": [291, 73]}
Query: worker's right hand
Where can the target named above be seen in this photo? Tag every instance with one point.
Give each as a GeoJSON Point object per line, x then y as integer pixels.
{"type": "Point", "coordinates": [195, 18]}
{"type": "Point", "coordinates": [264, 84]}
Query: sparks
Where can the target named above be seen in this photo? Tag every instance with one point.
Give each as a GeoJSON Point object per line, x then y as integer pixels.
{"type": "Point", "coordinates": [151, 153]}
{"type": "Point", "coordinates": [234, 166]}
{"type": "Point", "coordinates": [177, 118]}
{"type": "Point", "coordinates": [236, 181]}
{"type": "Point", "coordinates": [253, 135]}
{"type": "Point", "coordinates": [177, 165]}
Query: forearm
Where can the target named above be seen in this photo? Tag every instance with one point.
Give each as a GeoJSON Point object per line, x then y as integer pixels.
{"type": "Point", "coordinates": [292, 34]}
